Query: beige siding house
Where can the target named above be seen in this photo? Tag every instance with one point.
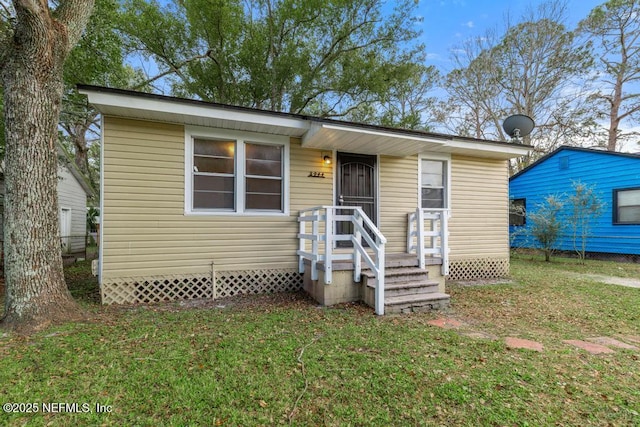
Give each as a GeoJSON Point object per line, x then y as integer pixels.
{"type": "Point", "coordinates": [209, 200]}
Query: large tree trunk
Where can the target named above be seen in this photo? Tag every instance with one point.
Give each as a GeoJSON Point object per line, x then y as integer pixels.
{"type": "Point", "coordinates": [614, 115]}
{"type": "Point", "coordinates": [36, 292]}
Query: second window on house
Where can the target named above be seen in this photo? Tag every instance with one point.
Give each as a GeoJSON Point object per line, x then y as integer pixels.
{"type": "Point", "coordinates": [434, 184]}
{"type": "Point", "coordinates": [237, 176]}
{"type": "Point", "coordinates": [263, 177]}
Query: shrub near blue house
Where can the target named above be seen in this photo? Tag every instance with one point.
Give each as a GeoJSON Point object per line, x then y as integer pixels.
{"type": "Point", "coordinates": [546, 224]}
{"type": "Point", "coordinates": [586, 206]}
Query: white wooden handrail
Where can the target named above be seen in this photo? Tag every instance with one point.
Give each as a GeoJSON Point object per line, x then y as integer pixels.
{"type": "Point", "coordinates": [327, 217]}
{"type": "Point", "coordinates": [428, 234]}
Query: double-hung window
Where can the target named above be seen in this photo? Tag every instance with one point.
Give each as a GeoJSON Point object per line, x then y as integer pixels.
{"type": "Point", "coordinates": [230, 172]}
{"type": "Point", "coordinates": [263, 177]}
{"type": "Point", "coordinates": [626, 206]}
{"type": "Point", "coordinates": [214, 174]}
{"type": "Point", "coordinates": [434, 177]}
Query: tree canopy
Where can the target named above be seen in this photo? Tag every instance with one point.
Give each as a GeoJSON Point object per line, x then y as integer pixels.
{"type": "Point", "coordinates": [535, 68]}
{"type": "Point", "coordinates": [614, 28]}
{"type": "Point", "coordinates": [321, 57]}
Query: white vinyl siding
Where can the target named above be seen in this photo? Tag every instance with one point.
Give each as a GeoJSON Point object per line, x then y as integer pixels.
{"type": "Point", "coordinates": [146, 231]}
{"type": "Point", "coordinates": [72, 196]}
{"type": "Point", "coordinates": [398, 197]}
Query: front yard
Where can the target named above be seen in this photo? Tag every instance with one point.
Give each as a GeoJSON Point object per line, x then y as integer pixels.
{"type": "Point", "coordinates": [283, 360]}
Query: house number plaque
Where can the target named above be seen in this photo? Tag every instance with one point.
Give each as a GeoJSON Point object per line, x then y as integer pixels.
{"type": "Point", "coordinates": [316, 174]}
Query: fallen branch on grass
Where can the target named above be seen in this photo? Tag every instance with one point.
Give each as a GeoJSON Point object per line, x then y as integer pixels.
{"type": "Point", "coordinates": [304, 375]}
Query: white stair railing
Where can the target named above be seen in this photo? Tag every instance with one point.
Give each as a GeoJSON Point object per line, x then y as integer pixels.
{"type": "Point", "coordinates": [324, 230]}
{"type": "Point", "coordinates": [428, 234]}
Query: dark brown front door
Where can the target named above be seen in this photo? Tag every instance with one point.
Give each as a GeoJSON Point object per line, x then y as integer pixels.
{"type": "Point", "coordinates": [356, 187]}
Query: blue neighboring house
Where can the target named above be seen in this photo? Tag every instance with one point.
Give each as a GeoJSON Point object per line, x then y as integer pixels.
{"type": "Point", "coordinates": [616, 177]}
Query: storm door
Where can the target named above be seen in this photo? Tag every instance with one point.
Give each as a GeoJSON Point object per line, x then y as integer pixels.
{"type": "Point", "coordinates": [356, 186]}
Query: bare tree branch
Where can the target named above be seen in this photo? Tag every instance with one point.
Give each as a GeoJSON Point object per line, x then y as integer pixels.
{"type": "Point", "coordinates": [7, 12]}
{"type": "Point", "coordinates": [172, 69]}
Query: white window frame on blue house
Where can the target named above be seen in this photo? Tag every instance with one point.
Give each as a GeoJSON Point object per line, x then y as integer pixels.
{"type": "Point", "coordinates": [241, 138]}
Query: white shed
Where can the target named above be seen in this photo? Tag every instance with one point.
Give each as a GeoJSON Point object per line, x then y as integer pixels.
{"type": "Point", "coordinates": [73, 191]}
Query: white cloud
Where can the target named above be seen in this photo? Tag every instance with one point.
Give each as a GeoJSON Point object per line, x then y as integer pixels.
{"type": "Point", "coordinates": [459, 3]}
{"type": "Point", "coordinates": [468, 24]}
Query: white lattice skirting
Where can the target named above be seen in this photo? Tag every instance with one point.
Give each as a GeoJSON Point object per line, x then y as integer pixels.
{"type": "Point", "coordinates": [150, 289]}
{"type": "Point", "coordinates": [478, 268]}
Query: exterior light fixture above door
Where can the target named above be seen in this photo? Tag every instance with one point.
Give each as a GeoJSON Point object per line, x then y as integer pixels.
{"type": "Point", "coordinates": [326, 158]}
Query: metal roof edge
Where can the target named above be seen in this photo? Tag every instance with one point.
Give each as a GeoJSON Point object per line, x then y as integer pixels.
{"type": "Point", "coordinates": [571, 148]}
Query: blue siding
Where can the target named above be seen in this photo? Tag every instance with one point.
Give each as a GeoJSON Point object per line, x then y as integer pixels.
{"type": "Point", "coordinates": [554, 175]}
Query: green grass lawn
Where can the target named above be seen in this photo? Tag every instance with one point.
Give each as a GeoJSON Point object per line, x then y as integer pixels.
{"type": "Point", "coordinates": [283, 360]}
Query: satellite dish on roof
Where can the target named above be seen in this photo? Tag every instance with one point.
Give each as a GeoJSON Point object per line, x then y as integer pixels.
{"type": "Point", "coordinates": [518, 126]}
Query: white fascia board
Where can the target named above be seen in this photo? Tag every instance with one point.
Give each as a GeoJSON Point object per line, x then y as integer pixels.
{"type": "Point", "coordinates": [112, 100]}
{"type": "Point", "coordinates": [513, 150]}
{"type": "Point", "coordinates": [383, 133]}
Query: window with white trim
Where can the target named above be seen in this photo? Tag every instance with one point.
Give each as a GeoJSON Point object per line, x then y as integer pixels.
{"type": "Point", "coordinates": [434, 184]}
{"type": "Point", "coordinates": [235, 175]}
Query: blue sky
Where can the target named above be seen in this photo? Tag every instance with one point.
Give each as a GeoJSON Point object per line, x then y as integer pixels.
{"type": "Point", "coordinates": [448, 22]}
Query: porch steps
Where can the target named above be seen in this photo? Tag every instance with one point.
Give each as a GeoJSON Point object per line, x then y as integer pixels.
{"type": "Point", "coordinates": [407, 290]}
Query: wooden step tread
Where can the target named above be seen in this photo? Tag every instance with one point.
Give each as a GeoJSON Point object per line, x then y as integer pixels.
{"type": "Point", "coordinates": [416, 299]}
{"type": "Point", "coordinates": [398, 271]}
{"type": "Point", "coordinates": [409, 284]}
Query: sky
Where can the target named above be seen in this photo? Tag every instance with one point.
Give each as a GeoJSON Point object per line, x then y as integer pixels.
{"type": "Point", "coordinates": [447, 23]}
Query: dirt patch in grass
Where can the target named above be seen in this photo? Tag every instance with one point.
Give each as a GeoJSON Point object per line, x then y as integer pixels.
{"type": "Point", "coordinates": [254, 303]}
{"type": "Point", "coordinates": [629, 282]}
{"type": "Point", "coordinates": [480, 282]}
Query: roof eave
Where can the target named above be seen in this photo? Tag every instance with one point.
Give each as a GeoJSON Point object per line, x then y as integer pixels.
{"type": "Point", "coordinates": [363, 140]}
{"type": "Point", "coordinates": [191, 113]}
{"type": "Point", "coordinates": [317, 133]}
{"type": "Point", "coordinates": [488, 149]}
